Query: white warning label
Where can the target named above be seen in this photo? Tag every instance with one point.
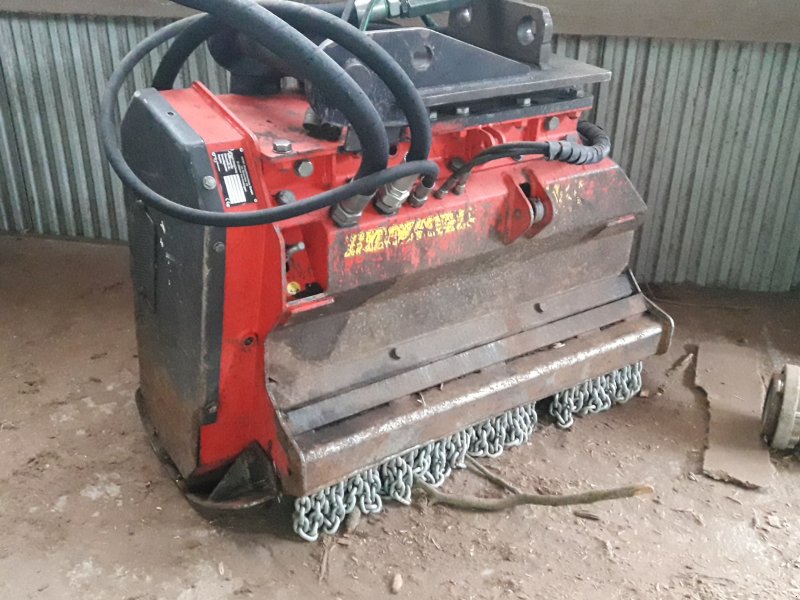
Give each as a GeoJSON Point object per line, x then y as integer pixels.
{"type": "Point", "coordinates": [237, 187]}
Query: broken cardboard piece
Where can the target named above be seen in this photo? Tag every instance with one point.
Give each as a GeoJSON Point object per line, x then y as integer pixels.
{"type": "Point", "coordinates": [729, 375]}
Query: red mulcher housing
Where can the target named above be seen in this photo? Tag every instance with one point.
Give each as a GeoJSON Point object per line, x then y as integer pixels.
{"type": "Point", "coordinates": [286, 357]}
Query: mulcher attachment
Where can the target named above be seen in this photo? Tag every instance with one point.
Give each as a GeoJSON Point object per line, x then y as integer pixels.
{"type": "Point", "coordinates": [471, 260]}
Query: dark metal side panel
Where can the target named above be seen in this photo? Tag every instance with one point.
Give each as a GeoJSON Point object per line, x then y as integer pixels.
{"type": "Point", "coordinates": [178, 278]}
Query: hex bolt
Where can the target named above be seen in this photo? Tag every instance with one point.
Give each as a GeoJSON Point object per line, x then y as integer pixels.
{"type": "Point", "coordinates": [209, 182]}
{"type": "Point", "coordinates": [304, 168]}
{"type": "Point", "coordinates": [462, 111]}
{"type": "Point", "coordinates": [524, 102]}
{"type": "Point", "coordinates": [285, 197]}
{"type": "Point", "coordinates": [219, 247]}
{"type": "Point", "coordinates": [282, 146]}
{"type": "Point", "coordinates": [552, 123]}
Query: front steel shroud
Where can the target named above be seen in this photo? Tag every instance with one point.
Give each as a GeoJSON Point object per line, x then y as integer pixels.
{"type": "Point", "coordinates": [495, 344]}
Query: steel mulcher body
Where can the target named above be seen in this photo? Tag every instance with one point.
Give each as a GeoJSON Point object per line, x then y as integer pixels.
{"type": "Point", "coordinates": [309, 352]}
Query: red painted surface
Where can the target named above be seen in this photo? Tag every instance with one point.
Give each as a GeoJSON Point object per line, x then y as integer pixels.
{"type": "Point", "coordinates": [258, 285]}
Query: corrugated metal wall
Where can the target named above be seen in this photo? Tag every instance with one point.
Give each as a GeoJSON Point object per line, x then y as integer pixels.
{"type": "Point", "coordinates": [708, 131]}
{"type": "Point", "coordinates": [53, 179]}
{"type": "Point", "coordinates": [710, 134]}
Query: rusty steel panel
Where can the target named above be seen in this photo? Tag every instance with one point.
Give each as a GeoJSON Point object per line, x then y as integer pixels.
{"type": "Point", "coordinates": [346, 342]}
{"type": "Point", "coordinates": [322, 457]}
{"type": "Point", "coordinates": [427, 376]}
{"type": "Point", "coordinates": [405, 350]}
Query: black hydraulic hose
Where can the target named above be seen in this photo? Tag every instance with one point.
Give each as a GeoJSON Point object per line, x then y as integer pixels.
{"type": "Point", "coordinates": [512, 149]}
{"type": "Point", "coordinates": [309, 62]}
{"type": "Point", "coordinates": [191, 39]}
{"type": "Point", "coordinates": [376, 58]}
{"type": "Point", "coordinates": [186, 42]}
{"type": "Point", "coordinates": [108, 135]}
{"type": "Point", "coordinates": [323, 24]}
{"type": "Point", "coordinates": [597, 148]}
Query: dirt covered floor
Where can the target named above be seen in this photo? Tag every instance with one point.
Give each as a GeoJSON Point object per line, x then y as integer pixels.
{"type": "Point", "coordinates": [86, 510]}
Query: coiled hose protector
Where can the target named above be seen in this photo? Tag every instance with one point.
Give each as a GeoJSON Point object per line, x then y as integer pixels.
{"type": "Point", "coordinates": [598, 148]}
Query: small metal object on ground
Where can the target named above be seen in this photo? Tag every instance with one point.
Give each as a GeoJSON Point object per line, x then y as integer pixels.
{"type": "Point", "coordinates": [735, 453]}
{"type": "Point", "coordinates": [780, 424]}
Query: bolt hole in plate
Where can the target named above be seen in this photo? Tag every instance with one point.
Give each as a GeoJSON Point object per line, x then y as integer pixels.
{"type": "Point", "coordinates": [422, 58]}
{"type": "Point", "coordinates": [526, 31]}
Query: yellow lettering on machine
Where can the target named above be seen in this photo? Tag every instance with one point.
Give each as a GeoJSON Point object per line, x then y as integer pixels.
{"type": "Point", "coordinates": [383, 238]}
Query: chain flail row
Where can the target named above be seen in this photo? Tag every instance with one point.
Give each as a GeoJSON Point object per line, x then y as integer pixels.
{"type": "Point", "coordinates": [325, 511]}
{"type": "Point", "coordinates": [596, 395]}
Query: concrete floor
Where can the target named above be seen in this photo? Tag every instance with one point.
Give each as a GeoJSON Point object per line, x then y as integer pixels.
{"type": "Point", "coordinates": [87, 512]}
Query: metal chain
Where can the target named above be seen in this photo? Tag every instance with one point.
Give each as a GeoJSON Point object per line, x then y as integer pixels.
{"type": "Point", "coordinates": [596, 395]}
{"type": "Point", "coordinates": [325, 511]}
